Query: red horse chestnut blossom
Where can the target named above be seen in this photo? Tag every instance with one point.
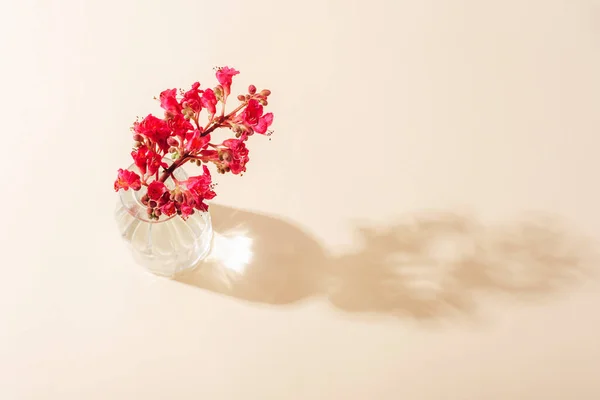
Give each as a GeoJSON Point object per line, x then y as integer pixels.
{"type": "Point", "coordinates": [127, 179]}
{"type": "Point", "coordinates": [181, 135]}
{"type": "Point", "coordinates": [225, 76]}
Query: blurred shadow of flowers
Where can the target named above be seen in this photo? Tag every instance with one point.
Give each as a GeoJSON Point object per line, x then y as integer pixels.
{"type": "Point", "coordinates": [427, 265]}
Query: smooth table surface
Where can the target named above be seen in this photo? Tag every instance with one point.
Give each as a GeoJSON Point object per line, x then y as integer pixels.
{"type": "Point", "coordinates": [422, 225]}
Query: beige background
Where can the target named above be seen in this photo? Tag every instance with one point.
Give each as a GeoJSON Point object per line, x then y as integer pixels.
{"type": "Point", "coordinates": [421, 226]}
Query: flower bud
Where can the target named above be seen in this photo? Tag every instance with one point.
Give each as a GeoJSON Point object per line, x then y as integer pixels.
{"type": "Point", "coordinates": [241, 97]}
{"type": "Point", "coordinates": [251, 89]}
{"type": "Point", "coordinates": [218, 92]}
{"type": "Point", "coordinates": [265, 92]}
{"type": "Point", "coordinates": [138, 138]}
{"type": "Point", "coordinates": [179, 198]}
{"type": "Point", "coordinates": [152, 204]}
{"type": "Point", "coordinates": [264, 102]}
{"type": "Point", "coordinates": [172, 142]}
{"type": "Point", "coordinates": [149, 211]}
{"type": "Point", "coordinates": [145, 199]}
{"type": "Point", "coordinates": [157, 212]}
{"type": "Point", "coordinates": [189, 113]}
{"type": "Point", "coordinates": [137, 144]}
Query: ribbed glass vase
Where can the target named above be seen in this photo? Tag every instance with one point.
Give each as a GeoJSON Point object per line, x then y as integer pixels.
{"type": "Point", "coordinates": [168, 245]}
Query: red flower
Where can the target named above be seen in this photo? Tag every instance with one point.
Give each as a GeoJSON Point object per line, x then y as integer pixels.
{"type": "Point", "coordinates": [154, 162]}
{"type": "Point", "coordinates": [127, 179]}
{"type": "Point", "coordinates": [201, 185]}
{"type": "Point", "coordinates": [155, 129]}
{"type": "Point", "coordinates": [200, 189]}
{"type": "Point", "coordinates": [201, 206]}
{"type": "Point", "coordinates": [224, 76]}
{"type": "Point", "coordinates": [252, 117]}
{"type": "Point", "coordinates": [140, 159]}
{"type": "Point", "coordinates": [168, 101]}
{"type": "Point", "coordinates": [166, 197]}
{"type": "Point", "coordinates": [180, 126]}
{"type": "Point", "coordinates": [235, 156]}
{"type": "Point", "coordinates": [156, 189]}
{"type": "Point", "coordinates": [168, 209]}
{"type": "Point", "coordinates": [209, 101]}
{"type": "Point", "coordinates": [179, 133]}
{"type": "Point", "coordinates": [252, 112]}
{"type": "Point", "coordinates": [191, 98]}
{"type": "Point", "coordinates": [147, 160]}
{"type": "Point", "coordinates": [209, 155]}
{"type": "Point", "coordinates": [195, 141]}
{"type": "Point", "coordinates": [186, 211]}
{"type": "Point", "coordinates": [263, 123]}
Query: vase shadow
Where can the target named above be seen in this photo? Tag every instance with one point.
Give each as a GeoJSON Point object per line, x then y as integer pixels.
{"type": "Point", "coordinates": [259, 258]}
{"type": "Point", "coordinates": [428, 265]}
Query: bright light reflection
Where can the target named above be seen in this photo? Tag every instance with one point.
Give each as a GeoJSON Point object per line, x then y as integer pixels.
{"type": "Point", "coordinates": [233, 251]}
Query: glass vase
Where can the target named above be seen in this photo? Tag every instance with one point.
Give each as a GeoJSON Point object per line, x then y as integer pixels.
{"type": "Point", "coordinates": [168, 245]}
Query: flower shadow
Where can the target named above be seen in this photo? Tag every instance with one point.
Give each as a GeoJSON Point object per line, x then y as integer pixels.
{"type": "Point", "coordinates": [427, 266]}
{"type": "Point", "coordinates": [435, 264]}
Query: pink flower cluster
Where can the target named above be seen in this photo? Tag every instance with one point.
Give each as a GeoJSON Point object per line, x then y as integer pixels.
{"type": "Point", "coordinates": [181, 135]}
